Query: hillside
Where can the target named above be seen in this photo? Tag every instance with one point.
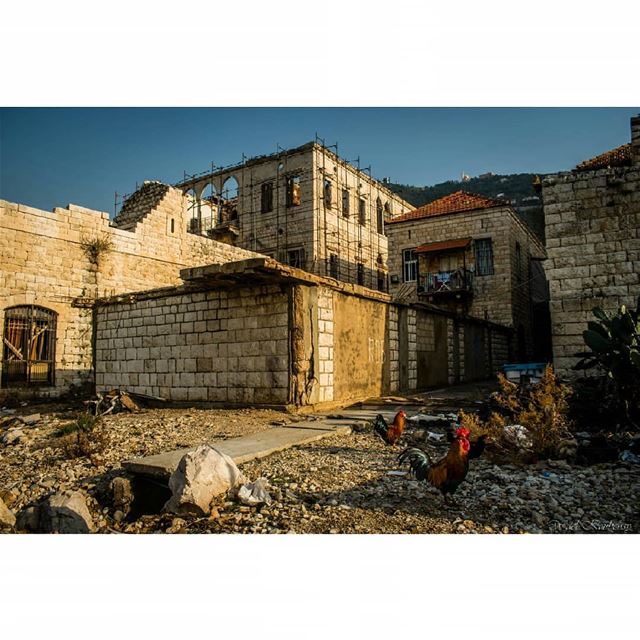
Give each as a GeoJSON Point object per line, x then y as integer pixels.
{"type": "Point", "coordinates": [516, 188]}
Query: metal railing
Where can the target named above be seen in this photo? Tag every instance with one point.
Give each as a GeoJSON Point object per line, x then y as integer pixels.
{"type": "Point", "coordinates": [446, 281]}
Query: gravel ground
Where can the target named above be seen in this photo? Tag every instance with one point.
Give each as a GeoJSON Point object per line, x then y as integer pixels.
{"type": "Point", "coordinates": [341, 484]}
{"type": "Point", "coordinates": [36, 465]}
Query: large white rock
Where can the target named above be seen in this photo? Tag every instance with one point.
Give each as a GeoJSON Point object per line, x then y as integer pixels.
{"type": "Point", "coordinates": [66, 512]}
{"type": "Point", "coordinates": [202, 475]}
{"type": "Point", "coordinates": [7, 519]}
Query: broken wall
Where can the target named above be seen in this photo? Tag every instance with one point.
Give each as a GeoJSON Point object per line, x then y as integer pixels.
{"type": "Point", "coordinates": [47, 261]}
{"type": "Point", "coordinates": [317, 227]}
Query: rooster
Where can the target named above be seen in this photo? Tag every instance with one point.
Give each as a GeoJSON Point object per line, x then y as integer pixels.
{"type": "Point", "coordinates": [477, 446]}
{"type": "Point", "coordinates": [390, 433]}
{"type": "Point", "coordinates": [447, 474]}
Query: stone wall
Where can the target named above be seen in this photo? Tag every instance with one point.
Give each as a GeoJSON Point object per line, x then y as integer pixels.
{"type": "Point", "coordinates": [299, 340]}
{"type": "Point", "coordinates": [46, 261]}
{"type": "Point", "coordinates": [593, 245]}
{"type": "Point", "coordinates": [504, 297]}
{"type": "Point", "coordinates": [213, 346]}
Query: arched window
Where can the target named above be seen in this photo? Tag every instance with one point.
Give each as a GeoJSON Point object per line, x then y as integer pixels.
{"type": "Point", "coordinates": [208, 208]}
{"type": "Point", "coordinates": [28, 346]}
{"type": "Point", "coordinates": [229, 194]}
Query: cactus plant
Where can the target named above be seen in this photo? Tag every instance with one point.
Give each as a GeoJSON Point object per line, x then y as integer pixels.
{"type": "Point", "coordinates": [614, 343]}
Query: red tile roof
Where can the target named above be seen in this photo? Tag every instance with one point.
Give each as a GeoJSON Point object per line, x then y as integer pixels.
{"type": "Point", "coordinates": [444, 245]}
{"type": "Point", "coordinates": [618, 157]}
{"type": "Point", "coordinates": [457, 202]}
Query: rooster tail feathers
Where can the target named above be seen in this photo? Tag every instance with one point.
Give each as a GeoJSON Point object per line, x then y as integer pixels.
{"type": "Point", "coordinates": [380, 426]}
{"type": "Point", "coordinates": [418, 460]}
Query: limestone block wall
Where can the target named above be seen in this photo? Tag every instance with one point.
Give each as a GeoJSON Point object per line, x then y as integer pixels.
{"type": "Point", "coordinates": [214, 346]}
{"type": "Point", "coordinates": [413, 351]}
{"type": "Point", "coordinates": [44, 261]}
{"type": "Point", "coordinates": [452, 356]}
{"type": "Point", "coordinates": [500, 354]}
{"type": "Point", "coordinates": [326, 345]}
{"type": "Point", "coordinates": [285, 343]}
{"type": "Point", "coordinates": [593, 245]}
{"type": "Point", "coordinates": [393, 349]}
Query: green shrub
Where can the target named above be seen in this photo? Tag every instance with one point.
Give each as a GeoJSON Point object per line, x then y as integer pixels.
{"type": "Point", "coordinates": [84, 437]}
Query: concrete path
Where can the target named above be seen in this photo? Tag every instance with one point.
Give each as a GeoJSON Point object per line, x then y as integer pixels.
{"type": "Point", "coordinates": [245, 448]}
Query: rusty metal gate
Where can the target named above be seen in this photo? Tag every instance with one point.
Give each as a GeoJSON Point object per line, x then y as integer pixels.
{"type": "Point", "coordinates": [28, 346]}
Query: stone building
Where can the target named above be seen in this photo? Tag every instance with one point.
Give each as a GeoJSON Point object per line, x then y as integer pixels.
{"type": "Point", "coordinates": [473, 255]}
{"type": "Point", "coordinates": [592, 217]}
{"type": "Point", "coordinates": [55, 264]}
{"type": "Point", "coordinates": [305, 207]}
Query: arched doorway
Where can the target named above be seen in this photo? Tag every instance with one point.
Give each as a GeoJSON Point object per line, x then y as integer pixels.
{"type": "Point", "coordinates": [28, 347]}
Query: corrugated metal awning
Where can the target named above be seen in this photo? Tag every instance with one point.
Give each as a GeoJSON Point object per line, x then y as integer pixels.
{"type": "Point", "coordinates": [445, 245]}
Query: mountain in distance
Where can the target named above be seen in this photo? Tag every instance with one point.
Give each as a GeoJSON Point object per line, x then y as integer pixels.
{"type": "Point", "coordinates": [516, 189]}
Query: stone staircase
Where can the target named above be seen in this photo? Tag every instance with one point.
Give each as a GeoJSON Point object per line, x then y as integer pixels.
{"type": "Point", "coordinates": [139, 204]}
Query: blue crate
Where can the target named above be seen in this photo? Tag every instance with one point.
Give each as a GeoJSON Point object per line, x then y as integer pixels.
{"type": "Point", "coordinates": [531, 370]}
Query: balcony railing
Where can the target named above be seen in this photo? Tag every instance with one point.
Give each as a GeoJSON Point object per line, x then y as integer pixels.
{"type": "Point", "coordinates": [446, 282]}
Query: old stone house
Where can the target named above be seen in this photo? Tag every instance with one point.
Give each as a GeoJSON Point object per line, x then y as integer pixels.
{"type": "Point", "coordinates": [305, 207]}
{"type": "Point", "coordinates": [473, 255]}
{"type": "Point", "coordinates": [592, 217]}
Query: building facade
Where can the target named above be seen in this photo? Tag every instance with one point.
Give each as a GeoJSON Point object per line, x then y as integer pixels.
{"type": "Point", "coordinates": [305, 207]}
{"type": "Point", "coordinates": [472, 255]}
{"type": "Point", "coordinates": [592, 217]}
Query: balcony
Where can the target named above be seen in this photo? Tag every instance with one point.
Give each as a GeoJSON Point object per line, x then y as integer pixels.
{"type": "Point", "coordinates": [457, 283]}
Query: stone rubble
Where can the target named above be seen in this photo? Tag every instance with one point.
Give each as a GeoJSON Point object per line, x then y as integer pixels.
{"type": "Point", "coordinates": [65, 512]}
{"type": "Point", "coordinates": [7, 518]}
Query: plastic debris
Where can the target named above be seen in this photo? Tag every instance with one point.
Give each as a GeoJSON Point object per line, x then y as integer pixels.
{"type": "Point", "coordinates": [254, 493]}
{"type": "Point", "coordinates": [627, 456]}
{"type": "Point", "coordinates": [519, 435]}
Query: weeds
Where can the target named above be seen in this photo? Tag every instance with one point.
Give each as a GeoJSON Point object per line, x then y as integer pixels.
{"type": "Point", "coordinates": [84, 437]}
{"type": "Point", "coordinates": [542, 412]}
{"type": "Point", "coordinates": [94, 248]}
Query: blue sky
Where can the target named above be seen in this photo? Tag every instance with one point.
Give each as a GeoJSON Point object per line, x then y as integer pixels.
{"type": "Point", "coordinates": [52, 156]}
